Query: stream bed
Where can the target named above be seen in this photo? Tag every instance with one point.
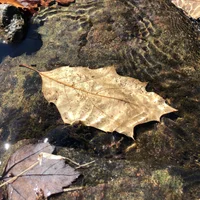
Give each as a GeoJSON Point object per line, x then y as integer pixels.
{"type": "Point", "coordinates": [151, 40]}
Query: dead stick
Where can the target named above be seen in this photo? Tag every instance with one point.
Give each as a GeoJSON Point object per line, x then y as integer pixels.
{"type": "Point", "coordinates": [15, 177]}
{"type": "Point", "coordinates": [85, 164]}
{"type": "Point", "coordinates": [72, 189]}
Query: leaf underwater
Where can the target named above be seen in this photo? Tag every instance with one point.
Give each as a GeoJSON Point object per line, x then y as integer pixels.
{"type": "Point", "coordinates": [191, 7]}
{"type": "Point", "coordinates": [101, 98]}
{"type": "Point", "coordinates": [49, 178]}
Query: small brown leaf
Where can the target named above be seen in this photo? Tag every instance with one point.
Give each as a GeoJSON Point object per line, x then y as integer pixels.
{"type": "Point", "coordinates": [28, 178]}
{"type": "Point", "coordinates": [101, 98]}
{"type": "Point", "coordinates": [191, 7]}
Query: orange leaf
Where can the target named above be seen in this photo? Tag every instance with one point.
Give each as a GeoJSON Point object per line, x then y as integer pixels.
{"type": "Point", "coordinates": [31, 5]}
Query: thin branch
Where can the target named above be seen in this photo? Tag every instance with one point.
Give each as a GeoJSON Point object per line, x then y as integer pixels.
{"type": "Point", "coordinates": [75, 163]}
{"type": "Point", "coordinates": [85, 164]}
{"type": "Point", "coordinates": [15, 177]}
{"type": "Point", "coordinates": [72, 189]}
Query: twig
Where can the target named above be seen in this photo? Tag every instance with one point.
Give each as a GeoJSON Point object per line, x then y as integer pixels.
{"type": "Point", "coordinates": [15, 177]}
{"type": "Point", "coordinates": [72, 189]}
{"type": "Point", "coordinates": [52, 156]}
{"type": "Point", "coordinates": [75, 163]}
{"type": "Point", "coordinates": [85, 164]}
{"type": "Point", "coordinates": [132, 146]}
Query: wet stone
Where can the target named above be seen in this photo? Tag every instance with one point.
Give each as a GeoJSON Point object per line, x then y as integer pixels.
{"type": "Point", "coordinates": [13, 24]}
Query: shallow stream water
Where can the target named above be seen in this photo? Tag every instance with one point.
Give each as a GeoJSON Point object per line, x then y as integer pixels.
{"type": "Point", "coordinates": [152, 41]}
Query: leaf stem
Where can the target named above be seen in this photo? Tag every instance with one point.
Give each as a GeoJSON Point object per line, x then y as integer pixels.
{"type": "Point", "coordinates": [29, 67]}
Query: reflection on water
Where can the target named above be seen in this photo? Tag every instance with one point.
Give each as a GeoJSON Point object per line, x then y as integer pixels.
{"type": "Point", "coordinates": [29, 45]}
{"type": "Point", "coordinates": [46, 140]}
{"type": "Point", "coordinates": [6, 146]}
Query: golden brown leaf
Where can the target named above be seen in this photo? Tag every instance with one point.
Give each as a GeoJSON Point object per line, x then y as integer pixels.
{"type": "Point", "coordinates": [191, 7]}
{"type": "Point", "coordinates": [101, 98]}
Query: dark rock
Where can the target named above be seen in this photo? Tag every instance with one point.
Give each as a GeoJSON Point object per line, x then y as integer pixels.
{"type": "Point", "coordinates": [13, 24]}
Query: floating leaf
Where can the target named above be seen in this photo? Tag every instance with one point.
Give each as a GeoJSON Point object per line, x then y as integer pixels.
{"type": "Point", "coordinates": [29, 178]}
{"type": "Point", "coordinates": [191, 7]}
{"type": "Point", "coordinates": [101, 98]}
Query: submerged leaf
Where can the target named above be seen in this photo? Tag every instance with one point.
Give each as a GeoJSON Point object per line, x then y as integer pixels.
{"type": "Point", "coordinates": [46, 179]}
{"type": "Point", "coordinates": [191, 7]}
{"type": "Point", "coordinates": [101, 98]}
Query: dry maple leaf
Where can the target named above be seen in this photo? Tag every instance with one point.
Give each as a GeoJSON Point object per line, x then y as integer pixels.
{"type": "Point", "coordinates": [101, 98]}
{"type": "Point", "coordinates": [191, 7]}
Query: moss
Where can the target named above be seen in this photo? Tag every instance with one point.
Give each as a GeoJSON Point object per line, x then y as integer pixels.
{"type": "Point", "coordinates": [164, 186]}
